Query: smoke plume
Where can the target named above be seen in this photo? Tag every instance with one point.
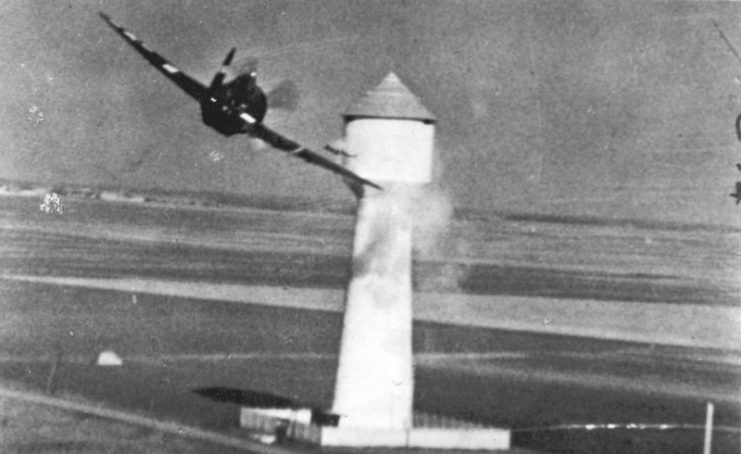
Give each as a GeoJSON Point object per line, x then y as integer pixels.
{"type": "Point", "coordinates": [434, 242]}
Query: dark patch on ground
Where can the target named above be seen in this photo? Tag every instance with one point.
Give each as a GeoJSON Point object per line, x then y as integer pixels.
{"type": "Point", "coordinates": [245, 397]}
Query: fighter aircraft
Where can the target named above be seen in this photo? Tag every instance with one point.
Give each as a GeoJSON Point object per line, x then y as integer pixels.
{"type": "Point", "coordinates": [235, 107]}
{"type": "Point", "coordinates": [737, 195]}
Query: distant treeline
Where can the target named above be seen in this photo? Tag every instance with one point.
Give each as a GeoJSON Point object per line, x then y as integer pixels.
{"type": "Point", "coordinates": [472, 214]}
{"type": "Point", "coordinates": [342, 207]}
{"type": "Point", "coordinates": [179, 197]}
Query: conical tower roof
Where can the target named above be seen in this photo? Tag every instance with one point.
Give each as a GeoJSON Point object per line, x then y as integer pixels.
{"type": "Point", "coordinates": [390, 99]}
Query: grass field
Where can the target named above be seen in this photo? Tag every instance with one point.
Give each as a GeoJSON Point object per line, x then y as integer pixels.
{"type": "Point", "coordinates": [34, 423]}
{"type": "Point", "coordinates": [172, 346]}
{"type": "Point", "coordinates": [549, 388]}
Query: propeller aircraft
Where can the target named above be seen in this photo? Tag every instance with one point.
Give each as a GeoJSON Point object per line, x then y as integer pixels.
{"type": "Point", "coordinates": [234, 107]}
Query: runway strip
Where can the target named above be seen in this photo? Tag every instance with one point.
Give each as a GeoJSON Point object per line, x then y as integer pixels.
{"type": "Point", "coordinates": [270, 356]}
{"type": "Point", "coordinates": [599, 381]}
{"type": "Point", "coordinates": [692, 325]}
{"type": "Point", "coordinates": [129, 418]}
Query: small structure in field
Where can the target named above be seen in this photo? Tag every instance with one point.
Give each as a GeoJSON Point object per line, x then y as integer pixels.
{"type": "Point", "coordinates": [108, 358]}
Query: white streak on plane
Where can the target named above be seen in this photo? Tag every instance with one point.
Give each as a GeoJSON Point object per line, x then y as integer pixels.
{"type": "Point", "coordinates": [170, 69]}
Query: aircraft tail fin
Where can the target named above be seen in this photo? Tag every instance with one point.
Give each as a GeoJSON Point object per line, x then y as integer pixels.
{"type": "Point", "coordinates": [219, 77]}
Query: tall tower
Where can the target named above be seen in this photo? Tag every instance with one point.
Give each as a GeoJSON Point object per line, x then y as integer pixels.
{"type": "Point", "coordinates": [390, 136]}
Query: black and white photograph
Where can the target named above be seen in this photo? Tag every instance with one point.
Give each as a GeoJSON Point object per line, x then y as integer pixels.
{"type": "Point", "coordinates": [370, 226]}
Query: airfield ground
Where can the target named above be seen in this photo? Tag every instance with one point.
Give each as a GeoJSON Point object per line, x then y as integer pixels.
{"type": "Point", "coordinates": [171, 346]}
{"type": "Point", "coordinates": [548, 387]}
{"type": "Point", "coordinates": [35, 423]}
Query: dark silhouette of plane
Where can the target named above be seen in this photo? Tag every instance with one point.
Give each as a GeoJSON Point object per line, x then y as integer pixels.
{"type": "Point", "coordinates": [235, 107]}
{"type": "Point", "coordinates": [737, 195]}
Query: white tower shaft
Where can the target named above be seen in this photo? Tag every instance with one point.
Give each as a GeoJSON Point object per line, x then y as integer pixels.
{"type": "Point", "coordinates": [375, 377]}
{"type": "Point", "coordinates": [390, 136]}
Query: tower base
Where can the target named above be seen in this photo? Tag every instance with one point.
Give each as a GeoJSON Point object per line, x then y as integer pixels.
{"type": "Point", "coordinates": [429, 432]}
{"type": "Point", "coordinates": [417, 437]}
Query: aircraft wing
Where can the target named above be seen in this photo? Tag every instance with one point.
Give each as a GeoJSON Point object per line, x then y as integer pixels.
{"type": "Point", "coordinates": [191, 86]}
{"type": "Point", "coordinates": [289, 146]}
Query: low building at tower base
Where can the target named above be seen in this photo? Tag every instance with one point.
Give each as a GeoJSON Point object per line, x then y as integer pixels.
{"type": "Point", "coordinates": [428, 432]}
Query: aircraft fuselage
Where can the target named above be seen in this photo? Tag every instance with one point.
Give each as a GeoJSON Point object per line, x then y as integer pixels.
{"type": "Point", "coordinates": [235, 107]}
{"type": "Point", "coordinates": [224, 107]}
